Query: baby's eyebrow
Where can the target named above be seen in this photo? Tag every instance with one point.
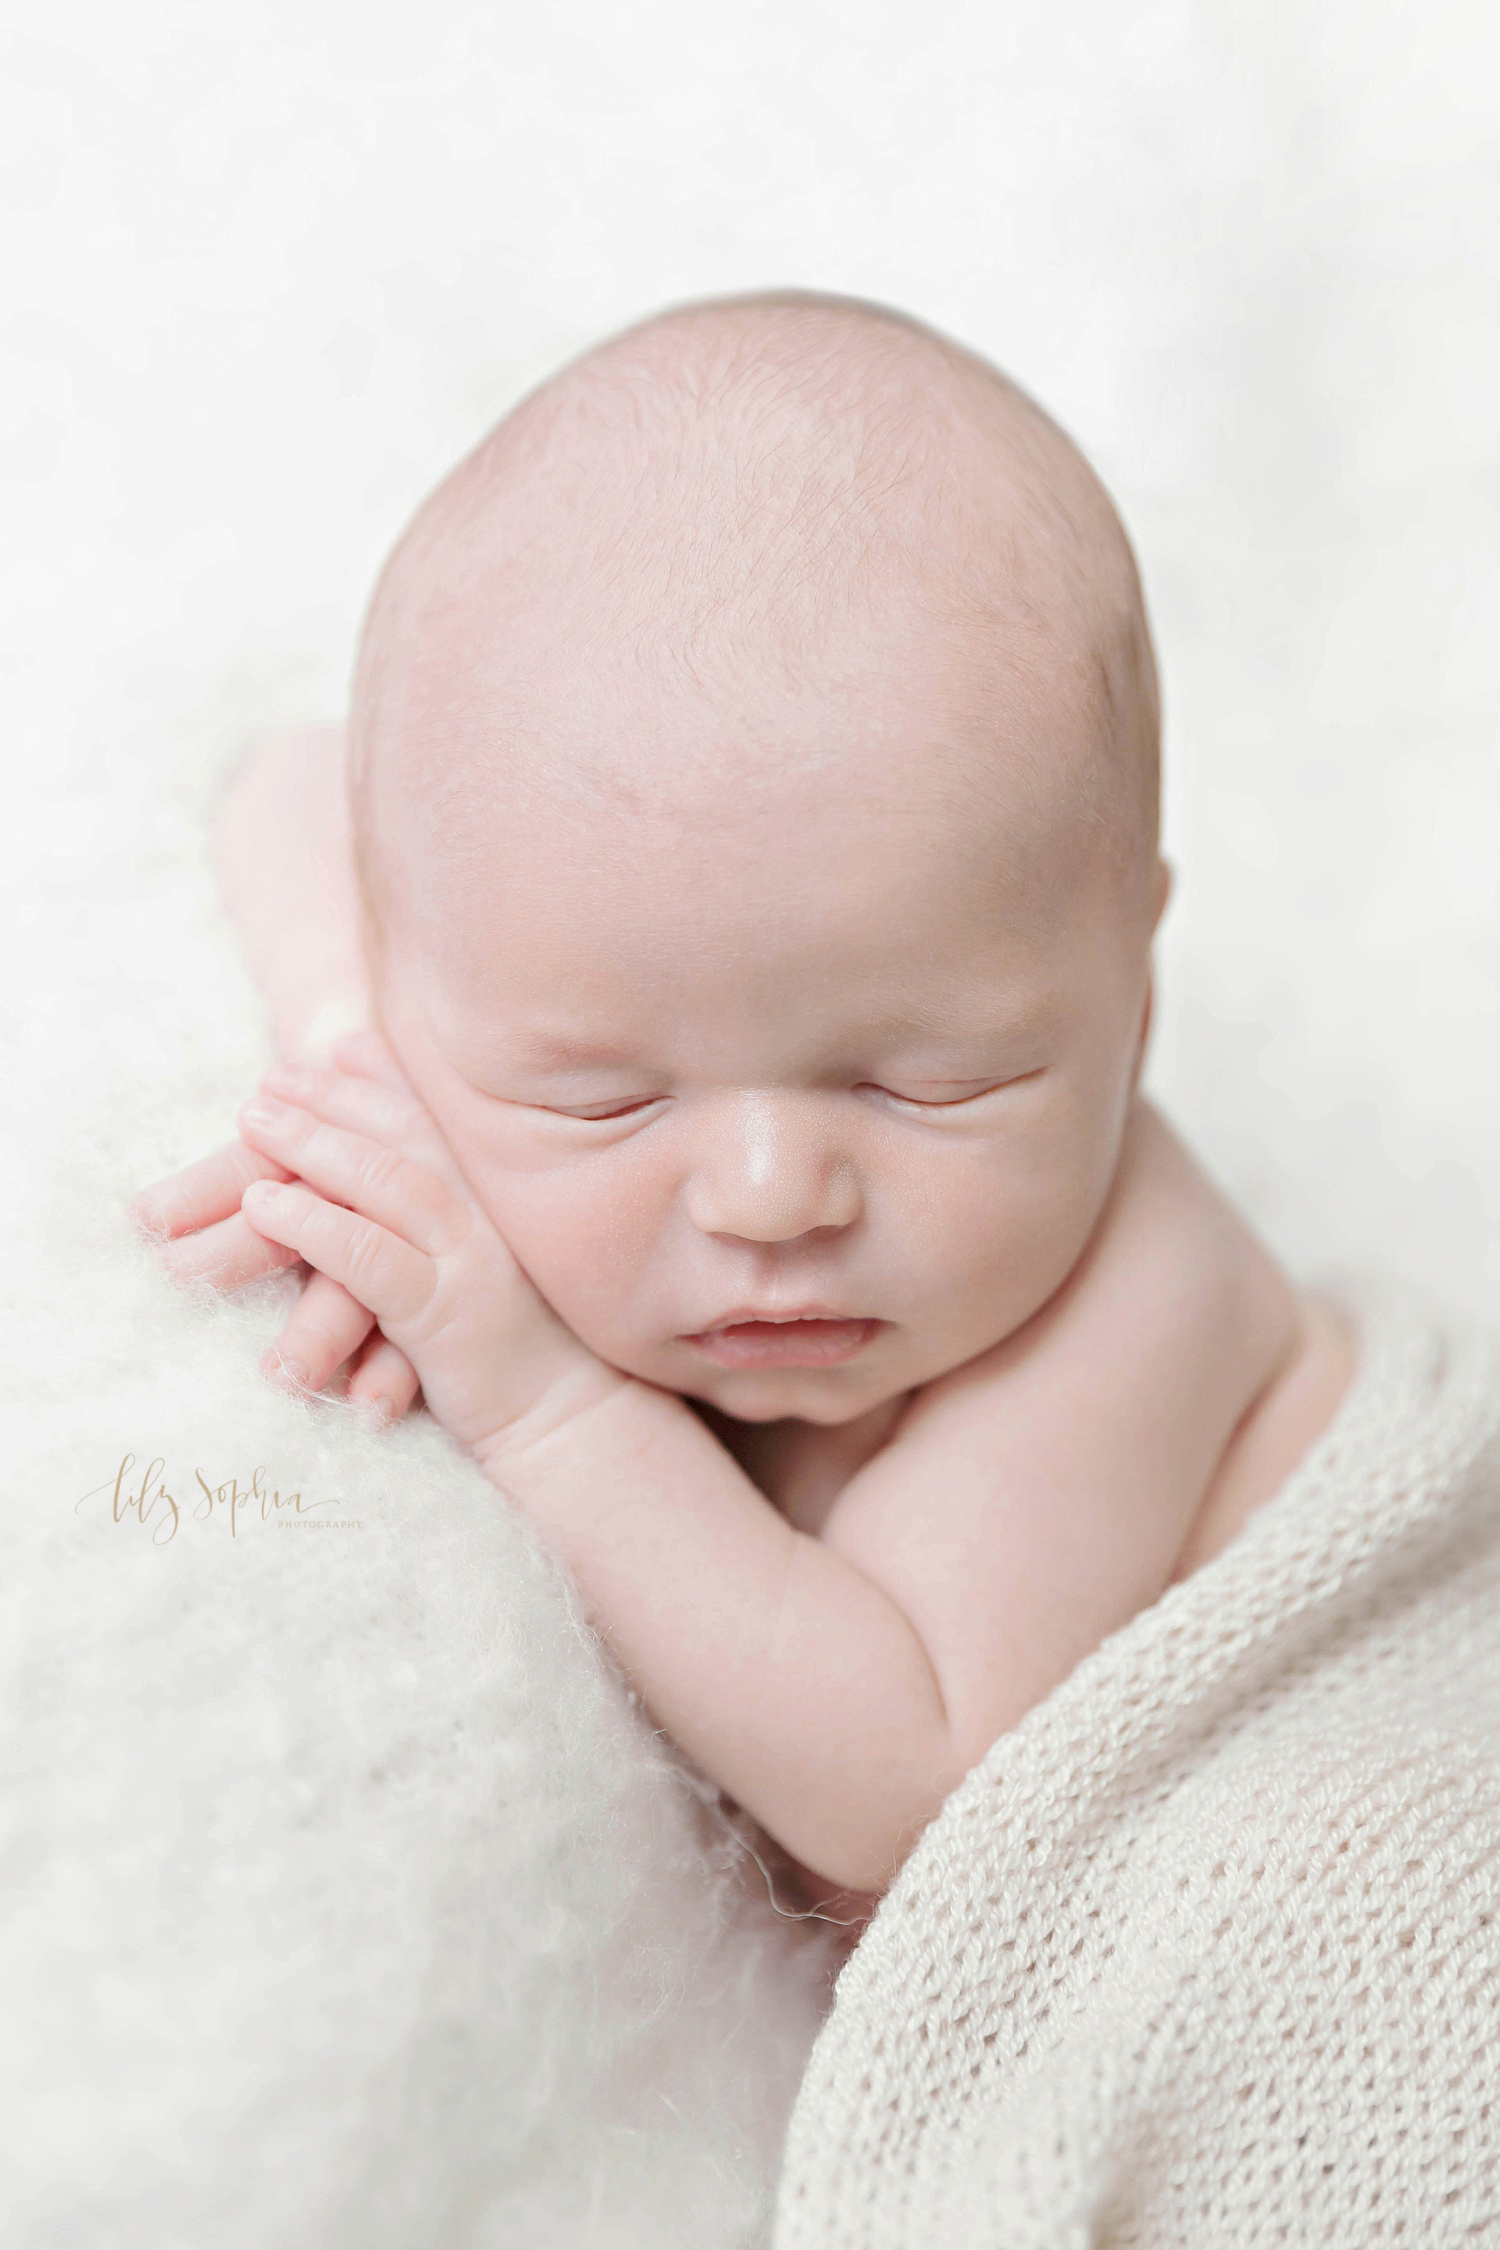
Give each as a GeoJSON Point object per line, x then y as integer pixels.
{"type": "Point", "coordinates": [550, 1050]}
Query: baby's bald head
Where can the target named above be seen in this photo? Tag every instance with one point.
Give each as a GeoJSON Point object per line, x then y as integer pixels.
{"type": "Point", "coordinates": [678, 574]}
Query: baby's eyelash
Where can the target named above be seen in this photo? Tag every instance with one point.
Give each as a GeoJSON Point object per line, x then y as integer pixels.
{"type": "Point", "coordinates": [956, 1101]}
{"type": "Point", "coordinates": [603, 1115]}
{"type": "Point", "coordinates": [926, 1101]}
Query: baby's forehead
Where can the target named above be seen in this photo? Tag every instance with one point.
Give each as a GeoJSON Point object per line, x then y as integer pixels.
{"type": "Point", "coordinates": [690, 861]}
{"type": "Point", "coordinates": [784, 913]}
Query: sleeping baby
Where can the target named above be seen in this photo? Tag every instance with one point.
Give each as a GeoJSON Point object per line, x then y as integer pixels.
{"type": "Point", "coordinates": [744, 867]}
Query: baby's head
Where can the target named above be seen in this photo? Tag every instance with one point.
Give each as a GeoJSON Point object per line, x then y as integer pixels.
{"type": "Point", "coordinates": [754, 775]}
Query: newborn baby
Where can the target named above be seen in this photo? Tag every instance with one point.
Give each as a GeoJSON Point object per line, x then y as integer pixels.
{"type": "Point", "coordinates": [749, 892]}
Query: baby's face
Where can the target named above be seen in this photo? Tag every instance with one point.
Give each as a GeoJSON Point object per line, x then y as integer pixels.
{"type": "Point", "coordinates": [846, 1032]}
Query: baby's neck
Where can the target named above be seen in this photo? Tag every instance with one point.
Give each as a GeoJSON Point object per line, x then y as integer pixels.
{"type": "Point", "coordinates": [802, 1467]}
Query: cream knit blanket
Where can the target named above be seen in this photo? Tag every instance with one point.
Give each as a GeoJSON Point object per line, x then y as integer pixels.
{"type": "Point", "coordinates": [1206, 1953]}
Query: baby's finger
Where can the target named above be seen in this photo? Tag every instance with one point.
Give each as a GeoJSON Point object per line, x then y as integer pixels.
{"type": "Point", "coordinates": [229, 1254]}
{"type": "Point", "coordinates": [371, 1106]}
{"type": "Point", "coordinates": [203, 1193]}
{"type": "Point", "coordinates": [394, 1191]}
{"type": "Point", "coordinates": [379, 1268]}
{"type": "Point", "coordinates": [365, 1105]}
{"type": "Point", "coordinates": [384, 1379]}
{"type": "Point", "coordinates": [327, 1326]}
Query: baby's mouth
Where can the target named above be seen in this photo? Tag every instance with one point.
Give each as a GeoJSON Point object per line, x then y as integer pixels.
{"type": "Point", "coordinates": [798, 1340]}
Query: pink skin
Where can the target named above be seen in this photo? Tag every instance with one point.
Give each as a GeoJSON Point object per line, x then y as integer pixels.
{"type": "Point", "coordinates": [788, 1158]}
{"type": "Point", "coordinates": [768, 1154]}
{"type": "Point", "coordinates": [374, 1202]}
{"type": "Point", "coordinates": [713, 1075]}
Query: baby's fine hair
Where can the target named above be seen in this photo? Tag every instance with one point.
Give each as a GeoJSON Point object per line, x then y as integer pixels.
{"type": "Point", "coordinates": [735, 474]}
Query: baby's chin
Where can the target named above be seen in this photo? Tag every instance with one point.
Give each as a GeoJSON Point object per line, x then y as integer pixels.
{"type": "Point", "coordinates": [825, 1395]}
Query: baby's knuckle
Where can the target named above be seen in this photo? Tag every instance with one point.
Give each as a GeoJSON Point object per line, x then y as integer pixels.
{"type": "Point", "coordinates": [325, 1333]}
{"type": "Point", "coordinates": [381, 1170]}
{"type": "Point", "coordinates": [364, 1256]}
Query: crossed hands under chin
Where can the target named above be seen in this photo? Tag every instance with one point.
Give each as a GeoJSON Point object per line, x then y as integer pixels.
{"type": "Point", "coordinates": [340, 1167]}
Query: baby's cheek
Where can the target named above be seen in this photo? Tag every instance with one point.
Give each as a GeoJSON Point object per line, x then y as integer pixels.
{"type": "Point", "coordinates": [586, 1246]}
{"type": "Point", "coordinates": [1001, 1228]}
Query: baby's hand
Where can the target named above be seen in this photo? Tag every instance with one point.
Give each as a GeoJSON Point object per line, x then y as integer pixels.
{"type": "Point", "coordinates": [194, 1219]}
{"type": "Point", "coordinates": [380, 1208]}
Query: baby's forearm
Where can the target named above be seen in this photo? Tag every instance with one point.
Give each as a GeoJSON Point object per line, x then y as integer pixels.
{"type": "Point", "coordinates": [786, 1674]}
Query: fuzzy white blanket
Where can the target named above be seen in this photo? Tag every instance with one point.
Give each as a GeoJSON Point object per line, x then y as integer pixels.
{"type": "Point", "coordinates": [346, 1900]}
{"type": "Point", "coordinates": [1206, 1953]}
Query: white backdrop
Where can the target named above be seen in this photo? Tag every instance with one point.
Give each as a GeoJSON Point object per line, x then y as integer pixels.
{"type": "Point", "coordinates": [268, 270]}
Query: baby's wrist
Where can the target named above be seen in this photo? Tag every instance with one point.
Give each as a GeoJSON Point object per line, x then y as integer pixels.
{"type": "Point", "coordinates": [569, 1402]}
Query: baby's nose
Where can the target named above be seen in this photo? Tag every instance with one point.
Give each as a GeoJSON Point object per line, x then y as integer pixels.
{"type": "Point", "coordinates": [768, 1169]}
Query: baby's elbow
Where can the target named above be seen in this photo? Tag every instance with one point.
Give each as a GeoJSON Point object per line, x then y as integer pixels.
{"type": "Point", "coordinates": [840, 1870]}
{"type": "Point", "coordinates": [860, 1847]}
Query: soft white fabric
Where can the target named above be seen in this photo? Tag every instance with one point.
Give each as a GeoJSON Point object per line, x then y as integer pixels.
{"type": "Point", "coordinates": [346, 1902]}
{"type": "Point", "coordinates": [1206, 1953]}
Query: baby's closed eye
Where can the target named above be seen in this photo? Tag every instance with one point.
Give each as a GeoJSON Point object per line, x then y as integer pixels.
{"type": "Point", "coordinates": [619, 1105]}
{"type": "Point", "coordinates": [924, 1095]}
{"type": "Point", "coordinates": [958, 1095]}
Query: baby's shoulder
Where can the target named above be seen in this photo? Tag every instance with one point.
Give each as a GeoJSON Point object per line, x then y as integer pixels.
{"type": "Point", "coordinates": [1031, 1502]}
{"type": "Point", "coordinates": [1180, 1373]}
{"type": "Point", "coordinates": [1137, 1418]}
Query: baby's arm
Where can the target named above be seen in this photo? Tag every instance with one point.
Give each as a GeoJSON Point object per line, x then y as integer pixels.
{"type": "Point", "coordinates": [837, 1685]}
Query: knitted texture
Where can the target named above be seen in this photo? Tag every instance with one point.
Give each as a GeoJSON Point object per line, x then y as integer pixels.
{"type": "Point", "coordinates": [1206, 1952]}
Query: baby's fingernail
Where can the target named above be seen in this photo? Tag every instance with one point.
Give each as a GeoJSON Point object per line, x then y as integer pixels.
{"type": "Point", "coordinates": [260, 1112]}
{"type": "Point", "coordinates": [147, 1221]}
{"type": "Point", "coordinates": [261, 1191]}
{"type": "Point", "coordinates": [292, 1373]}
